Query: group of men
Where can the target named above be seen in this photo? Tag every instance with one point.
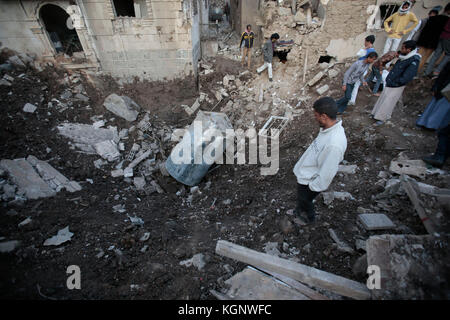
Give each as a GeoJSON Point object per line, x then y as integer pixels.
{"type": "Point", "coordinates": [319, 164]}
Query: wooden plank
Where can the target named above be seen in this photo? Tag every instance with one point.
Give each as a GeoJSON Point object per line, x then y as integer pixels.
{"type": "Point", "coordinates": [313, 294]}
{"type": "Point", "coordinates": [308, 275]}
{"type": "Point", "coordinates": [409, 188]}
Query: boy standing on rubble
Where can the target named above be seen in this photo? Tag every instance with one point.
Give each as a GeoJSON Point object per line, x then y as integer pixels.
{"type": "Point", "coordinates": [351, 76]}
{"type": "Point", "coordinates": [268, 50]}
{"type": "Point", "coordinates": [317, 167]}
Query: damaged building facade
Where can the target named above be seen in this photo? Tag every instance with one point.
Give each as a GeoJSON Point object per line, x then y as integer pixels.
{"type": "Point", "coordinates": [129, 38]}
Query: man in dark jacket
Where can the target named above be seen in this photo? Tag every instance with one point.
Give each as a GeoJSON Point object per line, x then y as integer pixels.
{"type": "Point", "coordinates": [268, 49]}
{"type": "Point", "coordinates": [402, 73]}
{"type": "Point", "coordinates": [247, 39]}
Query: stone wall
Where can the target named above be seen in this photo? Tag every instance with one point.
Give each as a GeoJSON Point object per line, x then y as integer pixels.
{"type": "Point", "coordinates": [163, 43]}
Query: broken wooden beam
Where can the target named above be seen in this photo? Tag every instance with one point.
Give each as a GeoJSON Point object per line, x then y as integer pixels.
{"type": "Point", "coordinates": [308, 275]}
{"type": "Point", "coordinates": [410, 191]}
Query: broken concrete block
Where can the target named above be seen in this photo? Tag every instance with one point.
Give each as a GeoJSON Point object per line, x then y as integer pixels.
{"type": "Point", "coordinates": [349, 169]}
{"type": "Point", "coordinates": [412, 267]}
{"type": "Point", "coordinates": [8, 78]}
{"type": "Point", "coordinates": [52, 176]}
{"type": "Point", "coordinates": [9, 246]}
{"type": "Point", "coordinates": [128, 172]}
{"type": "Point", "coordinates": [122, 106]}
{"type": "Point", "coordinates": [4, 82]}
{"type": "Point", "coordinates": [157, 187]}
{"type": "Point", "coordinates": [197, 261]}
{"type": "Point", "coordinates": [27, 179]}
{"type": "Point", "coordinates": [107, 150]}
{"type": "Point", "coordinates": [87, 136]}
{"type": "Point", "coordinates": [322, 89]}
{"type": "Point", "coordinates": [328, 197]}
{"type": "Point", "coordinates": [15, 61]}
{"type": "Point", "coordinates": [333, 73]}
{"type": "Point", "coordinates": [139, 183]}
{"type": "Point", "coordinates": [316, 78]}
{"type": "Point", "coordinates": [415, 168]}
{"type": "Point", "coordinates": [25, 222]}
{"type": "Point", "coordinates": [375, 221]}
{"type": "Point", "coordinates": [81, 97]}
{"type": "Point", "coordinates": [63, 236]}
{"type": "Point", "coordinates": [117, 173]}
{"type": "Point", "coordinates": [195, 106]}
{"type": "Point", "coordinates": [30, 108]}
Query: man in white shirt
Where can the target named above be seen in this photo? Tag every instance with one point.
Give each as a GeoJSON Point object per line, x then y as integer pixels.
{"type": "Point", "coordinates": [319, 164]}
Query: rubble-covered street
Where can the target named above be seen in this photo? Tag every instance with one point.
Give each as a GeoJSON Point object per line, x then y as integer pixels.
{"type": "Point", "coordinates": [83, 182]}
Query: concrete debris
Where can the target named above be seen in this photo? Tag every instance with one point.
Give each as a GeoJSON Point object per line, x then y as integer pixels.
{"type": "Point", "coordinates": [25, 177]}
{"type": "Point", "coordinates": [139, 183]}
{"type": "Point", "coordinates": [128, 172]}
{"type": "Point", "coordinates": [52, 176]}
{"type": "Point", "coordinates": [322, 90]}
{"type": "Point", "coordinates": [107, 150]}
{"type": "Point", "coordinates": [30, 108]}
{"type": "Point", "coordinates": [99, 163]}
{"type": "Point", "coordinates": [328, 197]}
{"type": "Point", "coordinates": [136, 220]}
{"type": "Point", "coordinates": [63, 236]}
{"type": "Point", "coordinates": [99, 124]}
{"type": "Point", "coordinates": [316, 78]}
{"type": "Point", "coordinates": [157, 187]}
{"type": "Point", "coordinates": [9, 246]}
{"type": "Point", "coordinates": [415, 168]}
{"type": "Point", "coordinates": [375, 221]}
{"type": "Point", "coordinates": [16, 61]}
{"type": "Point", "coordinates": [412, 267]}
{"type": "Point", "coordinates": [4, 82]}
{"type": "Point", "coordinates": [86, 136]}
{"type": "Point", "coordinates": [341, 245]}
{"type": "Point", "coordinates": [122, 106]}
{"type": "Point", "coordinates": [348, 169]}
{"type": "Point", "coordinates": [145, 237]}
{"type": "Point", "coordinates": [333, 73]}
{"type": "Point", "coordinates": [197, 261]}
{"type": "Point", "coordinates": [117, 173]}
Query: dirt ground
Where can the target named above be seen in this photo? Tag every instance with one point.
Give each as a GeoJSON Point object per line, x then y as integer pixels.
{"type": "Point", "coordinates": [249, 209]}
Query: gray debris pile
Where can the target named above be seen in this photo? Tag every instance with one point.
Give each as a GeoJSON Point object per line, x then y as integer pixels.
{"type": "Point", "coordinates": [31, 178]}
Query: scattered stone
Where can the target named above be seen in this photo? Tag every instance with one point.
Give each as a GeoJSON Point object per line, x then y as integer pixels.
{"type": "Point", "coordinates": [122, 106]}
{"type": "Point", "coordinates": [4, 82]}
{"type": "Point", "coordinates": [350, 169]}
{"type": "Point", "coordinates": [99, 124]}
{"type": "Point", "coordinates": [128, 172]}
{"type": "Point", "coordinates": [63, 236]}
{"type": "Point", "coordinates": [136, 220]}
{"type": "Point", "coordinates": [99, 163]}
{"type": "Point", "coordinates": [25, 222]}
{"type": "Point", "coordinates": [322, 89]}
{"type": "Point", "coordinates": [15, 61]}
{"type": "Point", "coordinates": [145, 237]}
{"type": "Point", "coordinates": [376, 221]}
{"type": "Point", "coordinates": [415, 168]}
{"type": "Point", "coordinates": [117, 173]}
{"type": "Point", "coordinates": [333, 73]}
{"type": "Point", "coordinates": [107, 150]}
{"type": "Point", "coordinates": [328, 197]}
{"type": "Point", "coordinates": [360, 244]}
{"type": "Point", "coordinates": [139, 183]}
{"type": "Point", "coordinates": [197, 261]}
{"type": "Point", "coordinates": [30, 108]}
{"type": "Point", "coordinates": [9, 246]}
{"type": "Point", "coordinates": [316, 78]}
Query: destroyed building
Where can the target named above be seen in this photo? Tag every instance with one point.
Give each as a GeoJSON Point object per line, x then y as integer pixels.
{"type": "Point", "coordinates": [84, 178]}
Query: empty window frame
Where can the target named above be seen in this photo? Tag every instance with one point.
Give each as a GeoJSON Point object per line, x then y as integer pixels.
{"type": "Point", "coordinates": [130, 8]}
{"type": "Point", "coordinates": [387, 10]}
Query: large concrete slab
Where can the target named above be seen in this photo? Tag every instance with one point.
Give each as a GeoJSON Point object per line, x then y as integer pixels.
{"type": "Point", "coordinates": [376, 221]}
{"type": "Point", "coordinates": [27, 179]}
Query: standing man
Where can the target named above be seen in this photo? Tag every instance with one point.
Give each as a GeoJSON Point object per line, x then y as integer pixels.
{"type": "Point", "coordinates": [351, 76]}
{"type": "Point", "coordinates": [396, 26]}
{"type": "Point", "coordinates": [403, 72]}
{"type": "Point", "coordinates": [442, 47]}
{"type": "Point", "coordinates": [319, 164]}
{"type": "Point", "coordinates": [268, 49]}
{"type": "Point", "coordinates": [428, 39]}
{"type": "Point", "coordinates": [247, 44]}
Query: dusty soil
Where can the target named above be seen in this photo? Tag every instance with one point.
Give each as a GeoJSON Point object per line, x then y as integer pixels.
{"type": "Point", "coordinates": [249, 208]}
